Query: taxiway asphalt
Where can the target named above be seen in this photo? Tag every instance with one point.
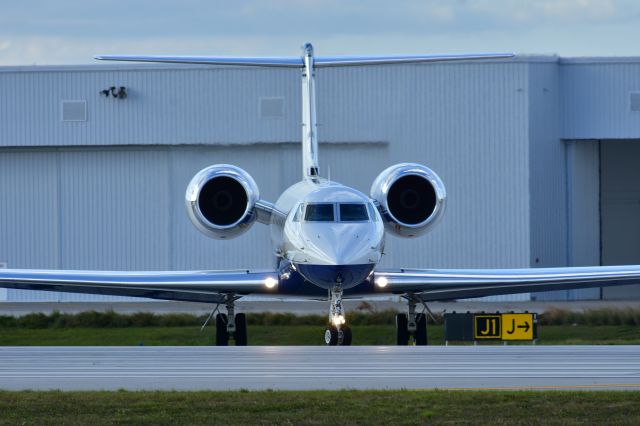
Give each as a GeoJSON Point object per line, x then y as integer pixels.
{"type": "Point", "coordinates": [310, 367]}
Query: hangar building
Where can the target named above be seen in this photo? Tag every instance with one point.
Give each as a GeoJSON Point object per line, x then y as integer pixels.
{"type": "Point", "coordinates": [539, 156]}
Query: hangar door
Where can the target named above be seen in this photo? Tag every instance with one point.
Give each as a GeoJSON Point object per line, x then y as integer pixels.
{"type": "Point", "coordinates": [620, 210]}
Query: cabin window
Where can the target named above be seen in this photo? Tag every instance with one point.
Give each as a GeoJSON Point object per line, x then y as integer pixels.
{"type": "Point", "coordinates": [353, 212]}
{"type": "Point", "coordinates": [319, 213]}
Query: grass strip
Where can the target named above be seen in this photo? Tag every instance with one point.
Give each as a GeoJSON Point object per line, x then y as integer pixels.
{"type": "Point", "coordinates": [320, 407]}
{"type": "Point", "coordinates": [284, 335]}
{"type": "Point", "coordinates": [363, 315]}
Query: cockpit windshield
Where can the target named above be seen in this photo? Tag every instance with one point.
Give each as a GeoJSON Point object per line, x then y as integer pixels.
{"type": "Point", "coordinates": [327, 212]}
{"type": "Point", "coordinates": [353, 212]}
{"type": "Point", "coordinates": [319, 213]}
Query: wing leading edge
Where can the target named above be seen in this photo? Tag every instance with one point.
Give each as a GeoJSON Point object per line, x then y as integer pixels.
{"type": "Point", "coordinates": [445, 284]}
{"type": "Point", "coordinates": [200, 286]}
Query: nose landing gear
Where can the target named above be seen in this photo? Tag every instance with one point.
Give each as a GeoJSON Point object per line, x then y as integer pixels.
{"type": "Point", "coordinates": [337, 333]}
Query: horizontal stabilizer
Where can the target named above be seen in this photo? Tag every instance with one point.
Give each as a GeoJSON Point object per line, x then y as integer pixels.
{"type": "Point", "coordinates": [293, 62]}
{"type": "Point", "coordinates": [297, 62]}
{"type": "Point", "coordinates": [342, 61]}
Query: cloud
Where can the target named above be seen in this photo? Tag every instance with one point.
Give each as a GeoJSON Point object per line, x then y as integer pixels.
{"type": "Point", "coordinates": [71, 31]}
{"type": "Point", "coordinates": [550, 10]}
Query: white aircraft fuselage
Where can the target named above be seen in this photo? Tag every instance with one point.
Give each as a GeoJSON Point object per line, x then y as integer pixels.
{"type": "Point", "coordinates": [341, 245]}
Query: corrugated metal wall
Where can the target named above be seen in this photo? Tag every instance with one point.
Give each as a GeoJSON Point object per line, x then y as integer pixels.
{"type": "Point", "coordinates": [164, 106]}
{"type": "Point", "coordinates": [107, 193]}
{"type": "Point", "coordinates": [595, 97]}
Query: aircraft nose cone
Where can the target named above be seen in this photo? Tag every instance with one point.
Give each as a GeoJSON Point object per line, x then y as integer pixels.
{"type": "Point", "coordinates": [346, 246]}
{"type": "Point", "coordinates": [328, 276]}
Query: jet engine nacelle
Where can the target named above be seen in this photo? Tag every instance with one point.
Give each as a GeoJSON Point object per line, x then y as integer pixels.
{"type": "Point", "coordinates": [221, 201]}
{"type": "Point", "coordinates": [411, 199]}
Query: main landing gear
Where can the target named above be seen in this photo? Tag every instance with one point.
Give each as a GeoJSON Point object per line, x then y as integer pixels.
{"type": "Point", "coordinates": [231, 325]}
{"type": "Point", "coordinates": [337, 333]}
{"type": "Point", "coordinates": [411, 326]}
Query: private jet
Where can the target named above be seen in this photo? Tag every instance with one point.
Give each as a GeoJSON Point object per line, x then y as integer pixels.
{"type": "Point", "coordinates": [328, 238]}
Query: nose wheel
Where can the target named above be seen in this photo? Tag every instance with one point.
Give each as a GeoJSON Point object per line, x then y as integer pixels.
{"type": "Point", "coordinates": [337, 333]}
{"type": "Point", "coordinates": [337, 337]}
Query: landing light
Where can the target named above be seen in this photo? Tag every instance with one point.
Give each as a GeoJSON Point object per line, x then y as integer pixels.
{"type": "Point", "coordinates": [270, 282]}
{"type": "Point", "coordinates": [382, 282]}
{"type": "Point", "coordinates": [338, 320]}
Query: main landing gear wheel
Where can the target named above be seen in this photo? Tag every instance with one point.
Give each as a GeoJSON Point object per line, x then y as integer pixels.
{"type": "Point", "coordinates": [402, 332]}
{"type": "Point", "coordinates": [222, 336]}
{"type": "Point", "coordinates": [231, 325]}
{"type": "Point", "coordinates": [420, 334]}
{"type": "Point", "coordinates": [241, 330]}
{"type": "Point", "coordinates": [412, 327]}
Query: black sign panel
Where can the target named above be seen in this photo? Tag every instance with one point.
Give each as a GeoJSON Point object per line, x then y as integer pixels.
{"type": "Point", "coordinates": [458, 327]}
{"type": "Point", "coordinates": [487, 327]}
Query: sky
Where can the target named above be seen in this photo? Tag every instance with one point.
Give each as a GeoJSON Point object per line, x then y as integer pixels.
{"type": "Point", "coordinates": [49, 32]}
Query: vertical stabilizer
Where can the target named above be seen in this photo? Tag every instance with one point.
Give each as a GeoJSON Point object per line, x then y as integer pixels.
{"type": "Point", "coordinates": [309, 127]}
{"type": "Point", "coordinates": [308, 63]}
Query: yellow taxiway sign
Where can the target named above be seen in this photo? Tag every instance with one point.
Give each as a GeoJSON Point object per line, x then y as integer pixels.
{"type": "Point", "coordinates": [517, 327]}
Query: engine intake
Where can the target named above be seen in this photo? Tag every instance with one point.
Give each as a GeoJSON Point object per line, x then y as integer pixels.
{"type": "Point", "coordinates": [221, 201]}
{"type": "Point", "coordinates": [411, 198]}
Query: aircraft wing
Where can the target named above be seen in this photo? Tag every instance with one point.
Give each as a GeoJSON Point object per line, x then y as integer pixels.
{"type": "Point", "coordinates": [445, 284]}
{"type": "Point", "coordinates": [200, 286]}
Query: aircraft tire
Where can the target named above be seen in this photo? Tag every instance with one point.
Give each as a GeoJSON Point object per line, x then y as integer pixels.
{"type": "Point", "coordinates": [346, 336]}
{"type": "Point", "coordinates": [402, 331]}
{"type": "Point", "coordinates": [421, 330]}
{"type": "Point", "coordinates": [222, 336]}
{"type": "Point", "coordinates": [331, 336]}
{"type": "Point", "coordinates": [241, 330]}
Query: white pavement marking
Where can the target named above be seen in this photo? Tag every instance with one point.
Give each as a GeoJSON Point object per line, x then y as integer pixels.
{"type": "Point", "coordinates": [311, 367]}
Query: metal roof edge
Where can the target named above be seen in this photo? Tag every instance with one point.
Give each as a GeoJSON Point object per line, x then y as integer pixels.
{"type": "Point", "coordinates": [104, 67]}
{"type": "Point", "coordinates": [600, 60]}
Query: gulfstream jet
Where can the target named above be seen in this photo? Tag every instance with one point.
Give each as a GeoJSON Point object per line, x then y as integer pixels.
{"type": "Point", "coordinates": [328, 238]}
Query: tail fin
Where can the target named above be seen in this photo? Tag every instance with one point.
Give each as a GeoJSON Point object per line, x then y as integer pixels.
{"type": "Point", "coordinates": [308, 62]}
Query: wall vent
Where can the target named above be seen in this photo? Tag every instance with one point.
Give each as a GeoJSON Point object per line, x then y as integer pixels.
{"type": "Point", "coordinates": [74, 110]}
{"type": "Point", "coordinates": [271, 108]}
{"type": "Point", "coordinates": [634, 101]}
{"type": "Point", "coordinates": [3, 265]}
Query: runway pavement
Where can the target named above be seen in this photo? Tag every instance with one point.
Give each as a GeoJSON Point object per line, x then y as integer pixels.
{"type": "Point", "coordinates": [310, 367]}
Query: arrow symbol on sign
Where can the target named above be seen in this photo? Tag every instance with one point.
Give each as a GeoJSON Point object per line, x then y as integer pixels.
{"type": "Point", "coordinates": [526, 326]}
